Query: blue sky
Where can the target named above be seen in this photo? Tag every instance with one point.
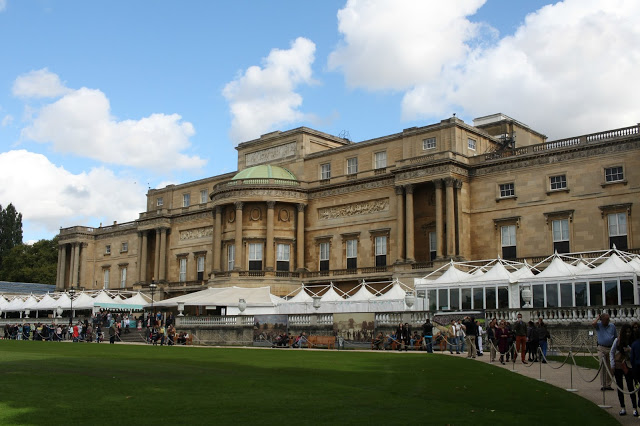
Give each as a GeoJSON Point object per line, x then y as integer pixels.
{"type": "Point", "coordinates": [101, 100]}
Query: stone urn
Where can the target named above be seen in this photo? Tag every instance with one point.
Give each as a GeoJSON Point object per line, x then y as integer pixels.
{"type": "Point", "coordinates": [527, 296]}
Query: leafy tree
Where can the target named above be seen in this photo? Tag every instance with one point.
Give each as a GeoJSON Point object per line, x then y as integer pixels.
{"type": "Point", "coordinates": [35, 263]}
{"type": "Point", "coordinates": [10, 230]}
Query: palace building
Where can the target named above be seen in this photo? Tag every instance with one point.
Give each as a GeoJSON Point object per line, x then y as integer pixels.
{"type": "Point", "coordinates": [308, 207]}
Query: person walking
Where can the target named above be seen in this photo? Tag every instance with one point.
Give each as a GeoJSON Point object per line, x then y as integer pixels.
{"type": "Point", "coordinates": [607, 333]}
{"type": "Point", "coordinates": [469, 327]}
{"type": "Point", "coordinates": [112, 333]}
{"type": "Point", "coordinates": [619, 361]}
{"type": "Point", "coordinates": [427, 335]}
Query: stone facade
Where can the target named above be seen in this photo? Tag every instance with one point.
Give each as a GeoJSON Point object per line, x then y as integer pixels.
{"type": "Point", "coordinates": [390, 207]}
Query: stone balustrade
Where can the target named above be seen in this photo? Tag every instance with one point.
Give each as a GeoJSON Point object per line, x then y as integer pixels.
{"type": "Point", "coordinates": [569, 315]}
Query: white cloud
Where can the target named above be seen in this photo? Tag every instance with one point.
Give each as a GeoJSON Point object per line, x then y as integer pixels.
{"type": "Point", "coordinates": [49, 196]}
{"type": "Point", "coordinates": [6, 120]}
{"type": "Point", "coordinates": [39, 84]}
{"type": "Point", "coordinates": [3, 5]}
{"type": "Point", "coordinates": [395, 44]}
{"type": "Point", "coordinates": [81, 123]}
{"type": "Point", "coordinates": [570, 68]}
{"type": "Point", "coordinates": [262, 98]}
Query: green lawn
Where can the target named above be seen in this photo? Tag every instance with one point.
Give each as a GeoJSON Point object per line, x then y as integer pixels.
{"type": "Point", "coordinates": [62, 383]}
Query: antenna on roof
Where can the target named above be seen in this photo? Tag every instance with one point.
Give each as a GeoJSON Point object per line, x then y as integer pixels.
{"type": "Point", "coordinates": [345, 135]}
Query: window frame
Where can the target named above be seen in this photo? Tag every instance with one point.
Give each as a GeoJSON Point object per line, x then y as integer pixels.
{"type": "Point", "coordinates": [381, 245]}
{"type": "Point", "coordinates": [352, 169]}
{"type": "Point", "coordinates": [124, 247]}
{"type": "Point", "coordinates": [200, 266]}
{"type": "Point", "coordinates": [324, 255]}
{"type": "Point", "coordinates": [472, 144]}
{"type": "Point", "coordinates": [510, 247]}
{"type": "Point", "coordinates": [106, 272]}
{"type": "Point", "coordinates": [123, 277]}
{"type": "Point", "coordinates": [182, 269]}
{"type": "Point", "coordinates": [325, 171]}
{"type": "Point", "coordinates": [429, 143]}
{"type": "Point", "coordinates": [380, 160]}
{"type": "Point", "coordinates": [560, 184]}
{"type": "Point", "coordinates": [231, 257]}
{"type": "Point", "coordinates": [611, 174]}
{"type": "Point", "coordinates": [283, 257]}
{"type": "Point", "coordinates": [107, 249]}
{"type": "Point", "coordinates": [558, 235]}
{"type": "Point", "coordinates": [351, 253]}
{"type": "Point", "coordinates": [255, 261]}
{"type": "Point", "coordinates": [505, 191]}
{"type": "Point", "coordinates": [204, 196]}
{"type": "Point", "coordinates": [159, 201]}
{"type": "Point", "coordinates": [186, 199]}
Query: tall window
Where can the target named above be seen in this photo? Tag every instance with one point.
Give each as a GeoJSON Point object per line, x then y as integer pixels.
{"type": "Point", "coordinates": [352, 166]}
{"type": "Point", "coordinates": [123, 277]}
{"type": "Point", "coordinates": [613, 174]}
{"type": "Point", "coordinates": [508, 241]}
{"type": "Point", "coordinates": [324, 256]}
{"type": "Point", "coordinates": [507, 190]}
{"type": "Point", "coordinates": [617, 230]}
{"type": "Point", "coordinates": [255, 257]}
{"type": "Point", "coordinates": [380, 159]}
{"type": "Point", "coordinates": [200, 268]}
{"type": "Point", "coordinates": [325, 171]}
{"type": "Point", "coordinates": [561, 235]}
{"type": "Point", "coordinates": [159, 202]}
{"type": "Point", "coordinates": [124, 247]}
{"type": "Point", "coordinates": [283, 256]}
{"type": "Point", "coordinates": [381, 251]}
{"type": "Point", "coordinates": [352, 254]}
{"type": "Point", "coordinates": [429, 143]}
{"type": "Point", "coordinates": [105, 279]}
{"type": "Point", "coordinates": [231, 257]}
{"type": "Point", "coordinates": [186, 200]}
{"type": "Point", "coordinates": [203, 196]}
{"type": "Point", "coordinates": [183, 269]}
{"type": "Point", "coordinates": [433, 245]}
{"type": "Point", "coordinates": [558, 182]}
{"type": "Point", "coordinates": [107, 249]}
{"type": "Point", "coordinates": [471, 143]}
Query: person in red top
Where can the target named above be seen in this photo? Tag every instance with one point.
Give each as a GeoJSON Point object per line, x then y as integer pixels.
{"type": "Point", "coordinates": [76, 334]}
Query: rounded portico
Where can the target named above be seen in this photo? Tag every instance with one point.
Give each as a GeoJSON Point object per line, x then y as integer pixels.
{"type": "Point", "coordinates": [259, 223]}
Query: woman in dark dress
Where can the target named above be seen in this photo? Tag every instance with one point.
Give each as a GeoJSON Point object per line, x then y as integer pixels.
{"type": "Point", "coordinates": [502, 336]}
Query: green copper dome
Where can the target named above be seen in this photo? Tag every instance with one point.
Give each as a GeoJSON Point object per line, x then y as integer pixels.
{"type": "Point", "coordinates": [265, 172]}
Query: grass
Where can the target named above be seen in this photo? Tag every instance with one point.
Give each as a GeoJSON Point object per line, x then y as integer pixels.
{"type": "Point", "coordinates": [586, 361]}
{"type": "Point", "coordinates": [62, 383]}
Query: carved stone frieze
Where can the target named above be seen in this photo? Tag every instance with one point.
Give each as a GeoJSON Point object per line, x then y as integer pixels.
{"type": "Point", "coordinates": [194, 234]}
{"type": "Point", "coordinates": [352, 188]}
{"type": "Point", "coordinates": [431, 171]}
{"type": "Point", "coordinates": [260, 193]}
{"type": "Point", "coordinates": [192, 217]}
{"type": "Point", "coordinates": [354, 209]}
{"type": "Point", "coordinates": [270, 154]}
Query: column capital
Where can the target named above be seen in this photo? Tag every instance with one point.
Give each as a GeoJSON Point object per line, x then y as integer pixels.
{"type": "Point", "coordinates": [217, 210]}
{"type": "Point", "coordinates": [409, 188]}
{"type": "Point", "coordinates": [449, 181]}
{"type": "Point", "coordinates": [437, 183]}
{"type": "Point", "coordinates": [399, 190]}
{"type": "Point", "coordinates": [457, 183]}
{"type": "Point", "coordinates": [301, 207]}
{"type": "Point", "coordinates": [238, 205]}
{"type": "Point", "coordinates": [271, 204]}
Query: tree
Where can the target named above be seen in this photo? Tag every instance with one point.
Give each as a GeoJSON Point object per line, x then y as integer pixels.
{"type": "Point", "coordinates": [10, 230]}
{"type": "Point", "coordinates": [35, 263]}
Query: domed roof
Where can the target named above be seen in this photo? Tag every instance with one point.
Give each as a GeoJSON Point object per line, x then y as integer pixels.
{"type": "Point", "coordinates": [265, 171]}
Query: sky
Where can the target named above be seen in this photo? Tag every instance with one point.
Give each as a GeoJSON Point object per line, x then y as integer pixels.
{"type": "Point", "coordinates": [100, 101]}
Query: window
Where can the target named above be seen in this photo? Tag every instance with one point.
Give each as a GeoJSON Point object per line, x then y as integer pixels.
{"type": "Point", "coordinates": [105, 279]}
{"type": "Point", "coordinates": [611, 293]}
{"type": "Point", "coordinates": [123, 277]}
{"type": "Point", "coordinates": [580, 293]}
{"type": "Point", "coordinates": [558, 182]}
{"type": "Point", "coordinates": [552, 295]}
{"type": "Point", "coordinates": [595, 293]}
{"type": "Point", "coordinates": [352, 254]}
{"type": "Point", "coordinates": [561, 235]}
{"type": "Point", "coordinates": [231, 257]}
{"type": "Point", "coordinates": [617, 230]}
{"type": "Point", "coordinates": [186, 200]}
{"type": "Point", "coordinates": [429, 143]}
{"type": "Point", "coordinates": [124, 248]}
{"type": "Point", "coordinates": [283, 256]}
{"type": "Point", "coordinates": [507, 190]}
{"type": "Point", "coordinates": [466, 298]}
{"type": "Point", "coordinates": [325, 171]}
{"type": "Point", "coordinates": [381, 251]}
{"type": "Point", "coordinates": [183, 269]}
{"type": "Point", "coordinates": [503, 297]}
{"type": "Point", "coordinates": [433, 245]}
{"type": "Point", "coordinates": [159, 202]}
{"type": "Point", "coordinates": [200, 268]}
{"type": "Point", "coordinates": [255, 257]}
{"type": "Point", "coordinates": [443, 299]}
{"type": "Point", "coordinates": [324, 256]}
{"type": "Point", "coordinates": [380, 160]}
{"type": "Point", "coordinates": [613, 174]}
{"type": "Point", "coordinates": [471, 143]}
{"type": "Point", "coordinates": [566, 294]}
{"type": "Point", "coordinates": [491, 297]}
{"type": "Point", "coordinates": [107, 249]}
{"type": "Point", "coordinates": [203, 196]}
{"type": "Point", "coordinates": [508, 241]}
{"type": "Point", "coordinates": [478, 298]}
{"type": "Point", "coordinates": [352, 166]}
{"type": "Point", "coordinates": [454, 299]}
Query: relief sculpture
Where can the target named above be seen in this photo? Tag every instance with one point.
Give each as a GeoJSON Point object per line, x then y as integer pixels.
{"type": "Point", "coordinates": [354, 209]}
{"type": "Point", "coordinates": [270, 154]}
{"type": "Point", "coordinates": [193, 234]}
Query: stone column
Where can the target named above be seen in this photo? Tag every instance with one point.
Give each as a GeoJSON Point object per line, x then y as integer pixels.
{"type": "Point", "coordinates": [400, 224]}
{"type": "Point", "coordinates": [300, 237]}
{"type": "Point", "coordinates": [71, 264]}
{"type": "Point", "coordinates": [458, 185]}
{"type": "Point", "coordinates": [156, 264]}
{"type": "Point", "coordinates": [62, 254]}
{"type": "Point", "coordinates": [163, 254]}
{"type": "Point", "coordinates": [138, 258]}
{"type": "Point", "coordinates": [76, 263]}
{"type": "Point", "coordinates": [217, 238]}
{"type": "Point", "coordinates": [408, 189]}
{"type": "Point", "coordinates": [143, 257]}
{"type": "Point", "coordinates": [269, 251]}
{"type": "Point", "coordinates": [451, 218]}
{"type": "Point", "coordinates": [81, 247]}
{"type": "Point", "coordinates": [439, 223]}
{"type": "Point", "coordinates": [239, 262]}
